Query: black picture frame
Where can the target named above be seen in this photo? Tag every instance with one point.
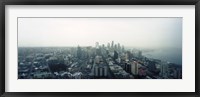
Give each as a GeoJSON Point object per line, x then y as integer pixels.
{"type": "Point", "coordinates": [99, 2]}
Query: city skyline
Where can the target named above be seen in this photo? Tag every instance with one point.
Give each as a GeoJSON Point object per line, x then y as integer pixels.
{"type": "Point", "coordinates": [68, 32]}
{"type": "Point", "coordinates": [99, 62]}
{"type": "Point", "coordinates": [100, 48]}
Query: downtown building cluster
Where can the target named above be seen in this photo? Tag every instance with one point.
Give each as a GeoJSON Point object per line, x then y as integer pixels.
{"type": "Point", "coordinates": [111, 61]}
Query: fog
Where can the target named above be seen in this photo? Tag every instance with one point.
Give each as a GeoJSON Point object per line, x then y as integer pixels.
{"type": "Point", "coordinates": [130, 32]}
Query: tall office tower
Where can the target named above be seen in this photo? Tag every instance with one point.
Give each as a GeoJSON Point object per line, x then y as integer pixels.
{"type": "Point", "coordinates": [118, 47]}
{"type": "Point", "coordinates": [112, 45]}
{"type": "Point", "coordinates": [108, 45]}
{"type": "Point", "coordinates": [126, 56]}
{"type": "Point", "coordinates": [97, 45]}
{"type": "Point", "coordinates": [115, 55]}
{"type": "Point", "coordinates": [103, 46]}
{"type": "Point", "coordinates": [115, 47]}
{"type": "Point", "coordinates": [134, 68]}
{"type": "Point", "coordinates": [127, 67]}
{"type": "Point", "coordinates": [129, 55]}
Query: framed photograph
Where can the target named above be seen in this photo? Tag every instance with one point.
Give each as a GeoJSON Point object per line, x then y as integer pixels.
{"type": "Point", "coordinates": [108, 48]}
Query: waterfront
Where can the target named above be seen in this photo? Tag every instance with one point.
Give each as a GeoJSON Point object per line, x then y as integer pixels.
{"type": "Point", "coordinates": [173, 55]}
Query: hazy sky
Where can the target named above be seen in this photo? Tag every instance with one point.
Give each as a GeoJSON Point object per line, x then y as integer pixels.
{"type": "Point", "coordinates": [130, 32]}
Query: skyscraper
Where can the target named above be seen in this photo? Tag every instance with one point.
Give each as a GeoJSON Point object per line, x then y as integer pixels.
{"type": "Point", "coordinates": [115, 55]}
{"type": "Point", "coordinates": [118, 47]}
{"type": "Point", "coordinates": [134, 68]}
{"type": "Point", "coordinates": [108, 45]}
{"type": "Point", "coordinates": [97, 45]}
{"type": "Point", "coordinates": [127, 67]}
{"type": "Point", "coordinates": [112, 45]}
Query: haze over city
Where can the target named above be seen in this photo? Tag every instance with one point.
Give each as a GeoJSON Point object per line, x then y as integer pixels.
{"type": "Point", "coordinates": [131, 32]}
{"type": "Point", "coordinates": [99, 48]}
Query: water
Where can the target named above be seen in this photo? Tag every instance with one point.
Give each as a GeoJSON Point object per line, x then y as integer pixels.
{"type": "Point", "coordinates": [171, 55]}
